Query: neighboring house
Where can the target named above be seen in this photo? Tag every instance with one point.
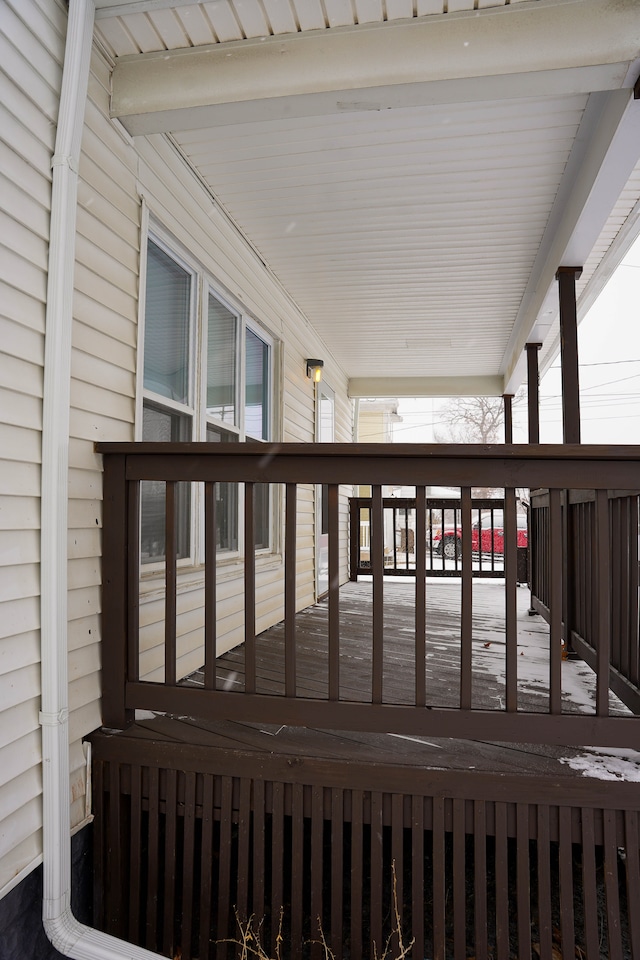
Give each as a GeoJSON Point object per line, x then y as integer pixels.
{"type": "Point", "coordinates": [177, 296]}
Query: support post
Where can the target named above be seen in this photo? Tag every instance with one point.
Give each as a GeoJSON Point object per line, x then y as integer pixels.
{"type": "Point", "coordinates": [533, 392]}
{"type": "Point", "coordinates": [507, 399]}
{"type": "Point", "coordinates": [566, 277]}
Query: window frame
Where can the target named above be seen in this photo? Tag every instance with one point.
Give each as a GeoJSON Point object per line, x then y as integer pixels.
{"type": "Point", "coordinates": [204, 286]}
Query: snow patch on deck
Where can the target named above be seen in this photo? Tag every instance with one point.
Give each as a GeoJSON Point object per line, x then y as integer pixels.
{"type": "Point", "coordinates": [608, 763]}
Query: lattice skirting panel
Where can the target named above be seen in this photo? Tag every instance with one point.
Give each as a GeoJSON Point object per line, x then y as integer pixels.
{"type": "Point", "coordinates": [196, 847]}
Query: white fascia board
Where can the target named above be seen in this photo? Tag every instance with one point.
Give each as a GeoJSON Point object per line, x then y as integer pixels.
{"type": "Point", "coordinates": [549, 47]}
{"type": "Point", "coordinates": [605, 153]}
{"type": "Point", "coordinates": [368, 387]}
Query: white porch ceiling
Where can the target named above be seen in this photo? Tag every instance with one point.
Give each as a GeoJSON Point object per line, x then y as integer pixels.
{"type": "Point", "coordinates": [413, 183]}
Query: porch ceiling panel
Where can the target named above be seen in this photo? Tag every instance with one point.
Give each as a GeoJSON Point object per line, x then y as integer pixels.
{"type": "Point", "coordinates": [394, 231]}
{"type": "Point", "coordinates": [416, 214]}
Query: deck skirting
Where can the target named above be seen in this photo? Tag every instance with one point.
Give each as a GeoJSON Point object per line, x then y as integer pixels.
{"type": "Point", "coordinates": [190, 838]}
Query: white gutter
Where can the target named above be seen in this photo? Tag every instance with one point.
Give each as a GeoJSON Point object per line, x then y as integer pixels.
{"type": "Point", "coordinates": [70, 937]}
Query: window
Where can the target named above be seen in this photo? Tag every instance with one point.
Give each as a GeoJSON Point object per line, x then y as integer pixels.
{"type": "Point", "coordinates": [207, 375]}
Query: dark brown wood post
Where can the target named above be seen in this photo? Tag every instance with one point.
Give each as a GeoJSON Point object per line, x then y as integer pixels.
{"type": "Point", "coordinates": [115, 595]}
{"type": "Point", "coordinates": [507, 399]}
{"type": "Point", "coordinates": [567, 277]}
{"type": "Point", "coordinates": [533, 392]}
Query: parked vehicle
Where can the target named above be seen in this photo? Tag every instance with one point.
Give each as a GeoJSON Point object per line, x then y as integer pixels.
{"type": "Point", "coordinates": [487, 534]}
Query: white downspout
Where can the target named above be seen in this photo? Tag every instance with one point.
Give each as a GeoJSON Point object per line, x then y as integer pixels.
{"type": "Point", "coordinates": [70, 937]}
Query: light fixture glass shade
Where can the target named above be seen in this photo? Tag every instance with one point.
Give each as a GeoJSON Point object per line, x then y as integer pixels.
{"type": "Point", "coordinates": [314, 370]}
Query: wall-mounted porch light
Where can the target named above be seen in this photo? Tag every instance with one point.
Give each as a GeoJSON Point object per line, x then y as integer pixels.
{"type": "Point", "coordinates": [314, 370]}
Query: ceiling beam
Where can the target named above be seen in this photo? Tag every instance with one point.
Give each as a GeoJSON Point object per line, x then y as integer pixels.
{"type": "Point", "coordinates": [364, 387]}
{"type": "Point", "coordinates": [528, 50]}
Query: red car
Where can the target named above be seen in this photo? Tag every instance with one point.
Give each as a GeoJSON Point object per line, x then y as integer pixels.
{"type": "Point", "coordinates": [486, 537]}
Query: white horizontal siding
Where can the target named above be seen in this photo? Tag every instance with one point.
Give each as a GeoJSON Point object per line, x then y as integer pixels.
{"type": "Point", "coordinates": [31, 48]}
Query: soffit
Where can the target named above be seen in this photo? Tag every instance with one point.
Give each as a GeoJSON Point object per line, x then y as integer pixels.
{"type": "Point", "coordinates": [417, 239]}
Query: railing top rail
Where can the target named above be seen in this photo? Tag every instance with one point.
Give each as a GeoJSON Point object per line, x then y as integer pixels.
{"type": "Point", "coordinates": [500, 465]}
{"type": "Point", "coordinates": [411, 451]}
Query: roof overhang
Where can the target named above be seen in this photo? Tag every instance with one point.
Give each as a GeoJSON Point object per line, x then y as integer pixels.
{"type": "Point", "coordinates": [570, 66]}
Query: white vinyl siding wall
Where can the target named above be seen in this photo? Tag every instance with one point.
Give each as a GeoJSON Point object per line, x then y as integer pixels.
{"type": "Point", "coordinates": [117, 178]}
{"type": "Point", "coordinates": [119, 181]}
{"type": "Point", "coordinates": [31, 50]}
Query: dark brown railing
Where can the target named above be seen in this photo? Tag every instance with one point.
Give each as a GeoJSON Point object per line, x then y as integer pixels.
{"type": "Point", "coordinates": [601, 573]}
{"type": "Point", "coordinates": [509, 468]}
{"type": "Point", "coordinates": [444, 537]}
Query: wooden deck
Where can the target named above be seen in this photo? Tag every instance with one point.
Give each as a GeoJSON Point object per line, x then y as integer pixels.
{"type": "Point", "coordinates": [497, 851]}
{"type": "Point", "coordinates": [443, 627]}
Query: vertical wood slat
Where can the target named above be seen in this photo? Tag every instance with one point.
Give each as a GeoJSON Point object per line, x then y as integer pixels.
{"type": "Point", "coordinates": [377, 569]}
{"type": "Point", "coordinates": [480, 878]}
{"type": "Point", "coordinates": [188, 863]}
{"type": "Point", "coordinates": [244, 837]}
{"type": "Point", "coordinates": [317, 870]}
{"type": "Point", "coordinates": [466, 625]}
{"type": "Point", "coordinates": [511, 576]}
{"type": "Point", "coordinates": [354, 538]}
{"type": "Point", "coordinates": [224, 858]}
{"type": "Point", "coordinates": [420, 548]}
{"type": "Point", "coordinates": [502, 882]}
{"type": "Point", "coordinates": [334, 591]}
{"type": "Point", "coordinates": [376, 878]}
{"type": "Point", "coordinates": [438, 879]}
{"type": "Point", "coordinates": [277, 846]}
{"type": "Point", "coordinates": [170, 853]}
{"type": "Point", "coordinates": [589, 886]}
{"type": "Point", "coordinates": [132, 595]}
{"type": "Point", "coordinates": [397, 864]}
{"type": "Point", "coordinates": [523, 882]}
{"type": "Point", "coordinates": [617, 578]}
{"type": "Point", "coordinates": [297, 868]}
{"type": "Point", "coordinates": [171, 584]}
{"type": "Point", "coordinates": [604, 618]}
{"type": "Point", "coordinates": [152, 858]}
{"type": "Point", "coordinates": [357, 853]}
{"type": "Point", "coordinates": [611, 884]}
{"type": "Point", "coordinates": [555, 603]}
{"type": "Point", "coordinates": [135, 853]}
{"type": "Point", "coordinates": [207, 866]}
{"type": "Point", "coordinates": [459, 881]}
{"type": "Point", "coordinates": [100, 878]}
{"type": "Point", "coordinates": [115, 892]}
{"type": "Point", "coordinates": [543, 849]}
{"type": "Point", "coordinates": [565, 868]}
{"type": "Point", "coordinates": [417, 875]}
{"type": "Point", "coordinates": [634, 585]}
{"type": "Point", "coordinates": [337, 893]}
{"type": "Point", "coordinates": [258, 837]}
{"type": "Point", "coordinates": [210, 619]}
{"type": "Point", "coordinates": [249, 591]}
{"type": "Point", "coordinates": [290, 590]}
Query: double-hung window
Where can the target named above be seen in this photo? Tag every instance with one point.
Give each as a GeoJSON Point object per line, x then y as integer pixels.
{"type": "Point", "coordinates": [207, 375]}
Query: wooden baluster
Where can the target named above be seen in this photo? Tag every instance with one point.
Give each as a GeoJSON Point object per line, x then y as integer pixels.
{"type": "Point", "coordinates": [249, 592]}
{"type": "Point", "coordinates": [171, 583]}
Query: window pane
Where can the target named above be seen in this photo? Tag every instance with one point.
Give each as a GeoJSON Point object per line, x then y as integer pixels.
{"type": "Point", "coordinates": [164, 426]}
{"type": "Point", "coordinates": [257, 388]}
{"type": "Point", "coordinates": [166, 331]}
{"type": "Point", "coordinates": [221, 362]}
{"type": "Point", "coordinates": [226, 499]}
